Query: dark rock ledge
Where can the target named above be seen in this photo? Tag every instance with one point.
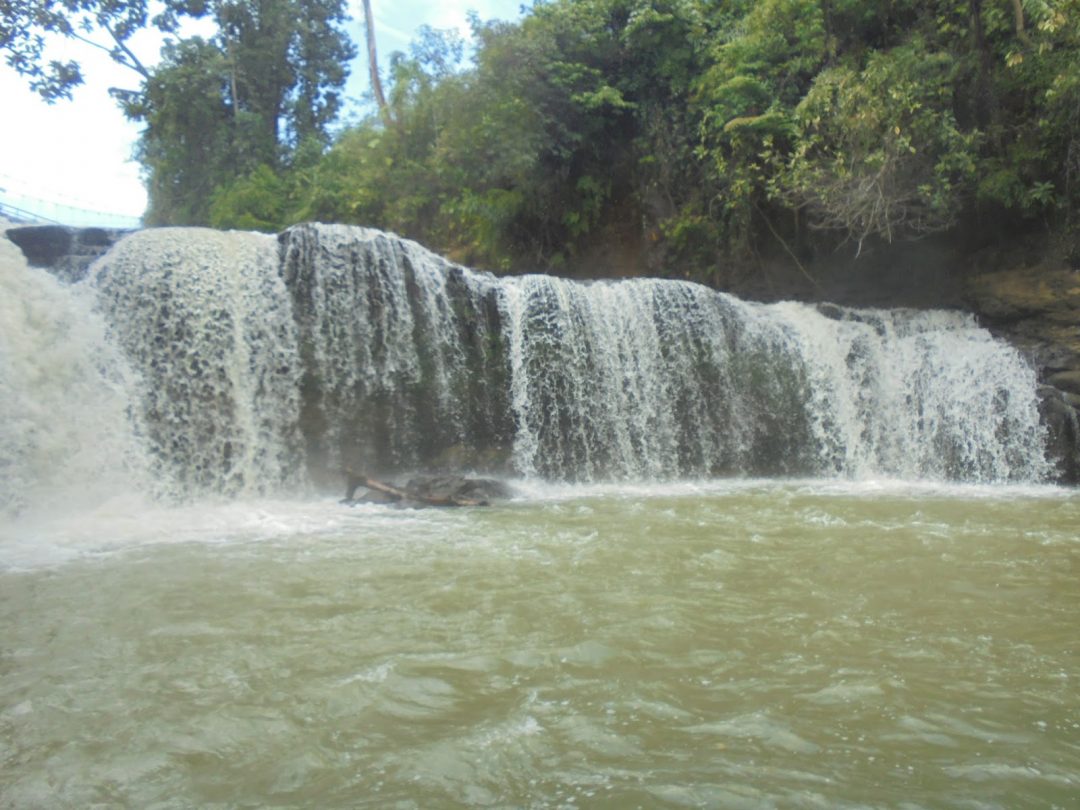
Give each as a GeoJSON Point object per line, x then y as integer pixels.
{"type": "Point", "coordinates": [1037, 309]}
{"type": "Point", "coordinates": [65, 252]}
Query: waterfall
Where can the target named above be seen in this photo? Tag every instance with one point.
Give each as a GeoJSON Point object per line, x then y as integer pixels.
{"type": "Point", "coordinates": [401, 352]}
{"type": "Point", "coordinates": [68, 435]}
{"type": "Point", "coordinates": [238, 363]}
{"type": "Point", "coordinates": [205, 319]}
{"type": "Point", "coordinates": [917, 394]}
{"type": "Point", "coordinates": [648, 378]}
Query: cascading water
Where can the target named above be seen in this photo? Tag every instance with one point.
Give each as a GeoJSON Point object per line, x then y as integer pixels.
{"type": "Point", "coordinates": [66, 425]}
{"type": "Point", "coordinates": [205, 319]}
{"type": "Point", "coordinates": [400, 351]}
{"type": "Point", "coordinates": [916, 394]}
{"type": "Point", "coordinates": [645, 379]}
{"type": "Point", "coordinates": [261, 365]}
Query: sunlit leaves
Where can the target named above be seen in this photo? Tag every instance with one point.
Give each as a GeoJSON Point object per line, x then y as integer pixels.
{"type": "Point", "coordinates": [696, 130]}
{"type": "Point", "coordinates": [878, 151]}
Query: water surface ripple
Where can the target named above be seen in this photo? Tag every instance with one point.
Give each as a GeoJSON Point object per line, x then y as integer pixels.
{"type": "Point", "coordinates": [749, 644]}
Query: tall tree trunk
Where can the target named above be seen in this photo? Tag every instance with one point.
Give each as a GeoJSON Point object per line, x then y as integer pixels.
{"type": "Point", "coordinates": [231, 57]}
{"type": "Point", "coordinates": [987, 109]}
{"type": "Point", "coordinates": [1018, 22]}
{"type": "Point", "coordinates": [373, 65]}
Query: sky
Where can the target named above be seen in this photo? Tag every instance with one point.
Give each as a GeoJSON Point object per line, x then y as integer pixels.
{"type": "Point", "coordinates": [71, 161]}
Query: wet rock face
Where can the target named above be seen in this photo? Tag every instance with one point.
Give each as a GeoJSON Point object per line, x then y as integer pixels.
{"type": "Point", "coordinates": [1038, 310]}
{"type": "Point", "coordinates": [1060, 416]}
{"type": "Point", "coordinates": [66, 252]}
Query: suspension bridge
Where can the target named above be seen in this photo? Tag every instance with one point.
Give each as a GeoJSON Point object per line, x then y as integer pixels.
{"type": "Point", "coordinates": [17, 205]}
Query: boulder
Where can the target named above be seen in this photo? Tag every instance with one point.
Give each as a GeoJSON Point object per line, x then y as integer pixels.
{"type": "Point", "coordinates": [458, 487]}
{"type": "Point", "coordinates": [426, 490]}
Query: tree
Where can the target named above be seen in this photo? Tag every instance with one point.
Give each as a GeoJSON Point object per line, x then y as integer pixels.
{"type": "Point", "coordinates": [272, 62]}
{"type": "Point", "coordinates": [760, 64]}
{"type": "Point", "coordinates": [688, 137]}
{"type": "Point", "coordinates": [214, 108]}
{"type": "Point", "coordinates": [27, 25]}
{"type": "Point", "coordinates": [192, 136]}
{"type": "Point", "coordinates": [878, 152]}
{"type": "Point", "coordinates": [373, 64]}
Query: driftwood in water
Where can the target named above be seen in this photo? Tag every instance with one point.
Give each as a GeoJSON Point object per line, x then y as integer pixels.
{"type": "Point", "coordinates": [415, 493]}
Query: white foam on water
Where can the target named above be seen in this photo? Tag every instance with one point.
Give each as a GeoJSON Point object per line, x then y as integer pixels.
{"type": "Point", "coordinates": [546, 491]}
{"type": "Point", "coordinates": [126, 523]}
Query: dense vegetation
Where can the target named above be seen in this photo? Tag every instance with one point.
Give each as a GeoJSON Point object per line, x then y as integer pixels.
{"type": "Point", "coordinates": [683, 131]}
{"type": "Point", "coordinates": [255, 96]}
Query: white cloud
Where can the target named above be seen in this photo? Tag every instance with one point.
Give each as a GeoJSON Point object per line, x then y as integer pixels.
{"type": "Point", "coordinates": [396, 21]}
{"type": "Point", "coordinates": [455, 14]}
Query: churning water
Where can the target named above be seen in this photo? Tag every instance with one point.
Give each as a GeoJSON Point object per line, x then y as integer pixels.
{"type": "Point", "coordinates": [253, 365]}
{"type": "Point", "coordinates": [743, 644]}
{"type": "Point", "coordinates": [187, 619]}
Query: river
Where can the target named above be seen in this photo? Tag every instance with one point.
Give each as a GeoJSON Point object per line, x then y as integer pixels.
{"type": "Point", "coordinates": [741, 643]}
{"type": "Point", "coordinates": [760, 556]}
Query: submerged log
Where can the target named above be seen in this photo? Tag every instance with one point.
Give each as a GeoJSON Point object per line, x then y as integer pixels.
{"type": "Point", "coordinates": [419, 491]}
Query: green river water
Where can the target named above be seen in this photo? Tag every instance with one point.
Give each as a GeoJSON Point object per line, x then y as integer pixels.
{"type": "Point", "coordinates": [730, 644]}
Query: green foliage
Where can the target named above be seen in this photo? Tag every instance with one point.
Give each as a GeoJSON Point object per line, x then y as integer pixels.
{"type": "Point", "coordinates": [187, 148]}
{"type": "Point", "coordinates": [256, 202]}
{"type": "Point", "coordinates": [214, 109]}
{"type": "Point", "coordinates": [760, 66]}
{"type": "Point", "coordinates": [687, 132]}
{"type": "Point", "coordinates": [527, 156]}
{"type": "Point", "coordinates": [887, 120]}
{"type": "Point", "coordinates": [1034, 167]}
{"type": "Point", "coordinates": [878, 151]}
{"type": "Point", "coordinates": [272, 62]}
{"type": "Point", "coordinates": [26, 26]}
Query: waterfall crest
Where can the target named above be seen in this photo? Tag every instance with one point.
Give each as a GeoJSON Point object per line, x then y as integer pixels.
{"type": "Point", "coordinates": [238, 363]}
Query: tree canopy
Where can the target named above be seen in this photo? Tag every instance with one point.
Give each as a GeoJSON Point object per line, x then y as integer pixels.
{"type": "Point", "coordinates": [689, 132]}
{"type": "Point", "coordinates": [216, 109]}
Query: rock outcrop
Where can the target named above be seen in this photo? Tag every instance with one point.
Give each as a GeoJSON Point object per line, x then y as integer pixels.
{"type": "Point", "coordinates": [66, 252]}
{"type": "Point", "coordinates": [1037, 308]}
{"type": "Point", "coordinates": [427, 490]}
